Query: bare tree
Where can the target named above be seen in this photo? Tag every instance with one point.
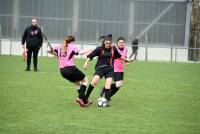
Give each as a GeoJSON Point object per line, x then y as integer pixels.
{"type": "Point", "coordinates": [195, 30]}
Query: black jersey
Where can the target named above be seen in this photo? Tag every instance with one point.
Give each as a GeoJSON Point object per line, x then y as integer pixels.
{"type": "Point", "coordinates": [105, 56]}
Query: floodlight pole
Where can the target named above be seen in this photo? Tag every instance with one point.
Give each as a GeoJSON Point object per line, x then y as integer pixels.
{"type": "Point", "coordinates": [75, 18]}
{"type": "Point", "coordinates": [187, 24]}
{"type": "Point", "coordinates": [131, 20]}
{"type": "Point", "coordinates": [15, 21]}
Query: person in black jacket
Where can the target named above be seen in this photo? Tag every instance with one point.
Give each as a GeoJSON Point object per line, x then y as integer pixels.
{"type": "Point", "coordinates": [134, 49]}
{"type": "Point", "coordinates": [33, 38]}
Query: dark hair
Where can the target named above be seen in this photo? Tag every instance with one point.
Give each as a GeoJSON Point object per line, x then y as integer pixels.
{"type": "Point", "coordinates": [69, 39]}
{"type": "Point", "coordinates": [121, 38]}
{"type": "Point", "coordinates": [102, 37]}
{"type": "Point", "coordinates": [105, 38]}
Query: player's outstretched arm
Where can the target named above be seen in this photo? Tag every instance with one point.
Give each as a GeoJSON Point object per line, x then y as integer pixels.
{"type": "Point", "coordinates": [126, 60]}
{"type": "Point", "coordinates": [82, 52]}
{"type": "Point", "coordinates": [51, 51]}
{"type": "Point", "coordinates": [85, 66]}
{"type": "Point", "coordinates": [90, 56]}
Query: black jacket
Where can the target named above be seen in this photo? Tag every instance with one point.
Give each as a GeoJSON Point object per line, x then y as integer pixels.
{"type": "Point", "coordinates": [32, 36]}
{"type": "Point", "coordinates": [135, 44]}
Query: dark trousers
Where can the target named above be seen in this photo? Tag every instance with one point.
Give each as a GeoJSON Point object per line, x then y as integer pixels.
{"type": "Point", "coordinates": [32, 50]}
{"type": "Point", "coordinates": [134, 52]}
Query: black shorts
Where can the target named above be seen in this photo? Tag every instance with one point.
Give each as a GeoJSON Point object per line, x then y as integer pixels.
{"type": "Point", "coordinates": [72, 74]}
{"type": "Point", "coordinates": [118, 76]}
{"type": "Point", "coordinates": [107, 72]}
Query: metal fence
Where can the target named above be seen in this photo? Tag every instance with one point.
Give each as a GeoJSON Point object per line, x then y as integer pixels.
{"type": "Point", "coordinates": [146, 52]}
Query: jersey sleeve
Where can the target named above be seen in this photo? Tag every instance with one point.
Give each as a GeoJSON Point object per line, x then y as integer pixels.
{"type": "Point", "coordinates": [126, 52]}
{"type": "Point", "coordinates": [56, 48]}
{"type": "Point", "coordinates": [116, 53]}
{"type": "Point", "coordinates": [94, 53]}
{"type": "Point", "coordinates": [75, 50]}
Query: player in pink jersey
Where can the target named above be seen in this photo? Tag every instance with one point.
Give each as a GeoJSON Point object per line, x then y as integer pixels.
{"type": "Point", "coordinates": [118, 67]}
{"type": "Point", "coordinates": [65, 54]}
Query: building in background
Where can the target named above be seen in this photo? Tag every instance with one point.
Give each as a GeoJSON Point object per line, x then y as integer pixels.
{"type": "Point", "coordinates": [157, 22]}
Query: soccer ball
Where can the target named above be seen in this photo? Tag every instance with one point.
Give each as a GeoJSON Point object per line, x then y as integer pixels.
{"type": "Point", "coordinates": [102, 102]}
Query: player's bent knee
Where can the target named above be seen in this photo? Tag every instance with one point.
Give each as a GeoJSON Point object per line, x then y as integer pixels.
{"type": "Point", "coordinates": [107, 87]}
{"type": "Point", "coordinates": [119, 84]}
{"type": "Point", "coordinates": [85, 81]}
{"type": "Point", "coordinates": [94, 84]}
{"type": "Point", "coordinates": [77, 83]}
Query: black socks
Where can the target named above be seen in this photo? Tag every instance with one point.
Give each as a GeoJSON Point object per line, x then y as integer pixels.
{"type": "Point", "coordinates": [82, 93]}
{"type": "Point", "coordinates": [107, 94]}
{"type": "Point", "coordinates": [89, 90]}
{"type": "Point", "coordinates": [114, 89]}
{"type": "Point", "coordinates": [78, 90]}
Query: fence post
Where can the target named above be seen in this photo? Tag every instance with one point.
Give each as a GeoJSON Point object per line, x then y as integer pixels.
{"type": "Point", "coordinates": [10, 46]}
{"type": "Point", "coordinates": [0, 39]}
{"type": "Point", "coordinates": [171, 53]}
{"type": "Point", "coordinates": [175, 54]}
{"type": "Point", "coordinates": [146, 48]}
{"type": "Point", "coordinates": [46, 49]}
{"type": "Point", "coordinates": [195, 48]}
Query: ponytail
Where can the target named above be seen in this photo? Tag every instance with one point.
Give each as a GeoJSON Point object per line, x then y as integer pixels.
{"type": "Point", "coordinates": [68, 40]}
{"type": "Point", "coordinates": [101, 37]}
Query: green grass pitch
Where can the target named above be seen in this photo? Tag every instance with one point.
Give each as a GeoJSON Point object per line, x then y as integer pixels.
{"type": "Point", "coordinates": [156, 98]}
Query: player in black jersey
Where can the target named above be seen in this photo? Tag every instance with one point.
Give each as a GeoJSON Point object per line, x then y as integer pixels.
{"type": "Point", "coordinates": [106, 54]}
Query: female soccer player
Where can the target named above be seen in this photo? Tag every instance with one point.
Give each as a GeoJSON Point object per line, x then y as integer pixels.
{"type": "Point", "coordinates": [118, 68]}
{"type": "Point", "coordinates": [68, 70]}
{"type": "Point", "coordinates": [104, 67]}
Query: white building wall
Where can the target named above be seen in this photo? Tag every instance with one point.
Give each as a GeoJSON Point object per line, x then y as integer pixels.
{"type": "Point", "coordinates": [153, 53]}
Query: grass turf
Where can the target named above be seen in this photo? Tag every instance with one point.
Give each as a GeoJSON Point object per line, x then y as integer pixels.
{"type": "Point", "coordinates": [156, 98]}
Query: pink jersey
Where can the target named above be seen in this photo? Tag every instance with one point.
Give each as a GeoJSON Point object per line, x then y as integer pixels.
{"type": "Point", "coordinates": [119, 63]}
{"type": "Point", "coordinates": [66, 59]}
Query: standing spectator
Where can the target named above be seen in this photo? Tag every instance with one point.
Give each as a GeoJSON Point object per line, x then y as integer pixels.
{"type": "Point", "coordinates": [134, 49]}
{"type": "Point", "coordinates": [33, 38]}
